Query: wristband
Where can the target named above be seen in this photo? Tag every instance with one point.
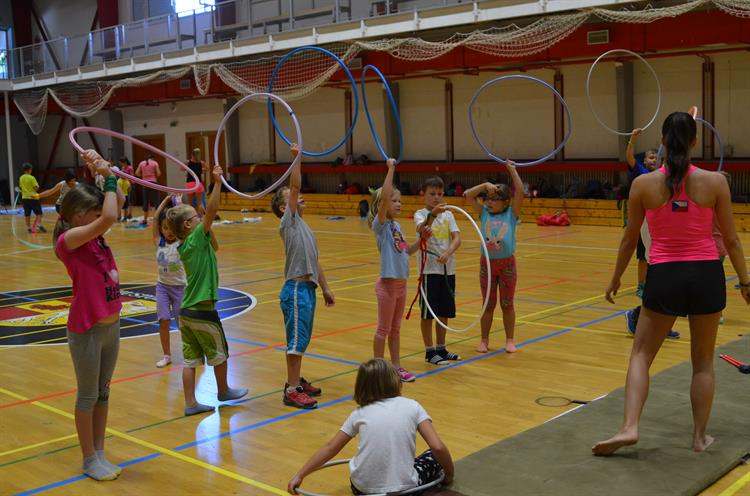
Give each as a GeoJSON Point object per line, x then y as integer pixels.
{"type": "Point", "coordinates": [110, 184]}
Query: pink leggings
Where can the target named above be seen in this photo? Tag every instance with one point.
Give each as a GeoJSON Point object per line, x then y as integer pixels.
{"type": "Point", "coordinates": [391, 295]}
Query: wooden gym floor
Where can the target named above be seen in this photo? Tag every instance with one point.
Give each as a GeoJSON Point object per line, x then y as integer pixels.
{"type": "Point", "coordinates": [573, 344]}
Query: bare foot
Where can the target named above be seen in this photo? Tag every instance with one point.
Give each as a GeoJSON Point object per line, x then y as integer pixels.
{"type": "Point", "coordinates": [605, 448]}
{"type": "Point", "coordinates": [702, 443]}
{"type": "Point", "coordinates": [483, 348]}
{"type": "Point", "coordinates": [510, 347]}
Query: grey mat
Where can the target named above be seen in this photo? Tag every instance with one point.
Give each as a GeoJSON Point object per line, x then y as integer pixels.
{"type": "Point", "coordinates": [555, 458]}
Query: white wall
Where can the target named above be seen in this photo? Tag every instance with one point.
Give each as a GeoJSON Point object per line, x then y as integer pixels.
{"type": "Point", "coordinates": [190, 116]}
{"type": "Point", "coordinates": [589, 139]}
{"type": "Point", "coordinates": [681, 87]}
{"type": "Point", "coordinates": [732, 105]}
{"type": "Point", "coordinates": [514, 118]}
{"type": "Point", "coordinates": [423, 118]}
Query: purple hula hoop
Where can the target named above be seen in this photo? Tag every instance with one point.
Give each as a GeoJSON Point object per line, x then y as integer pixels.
{"type": "Point", "coordinates": [294, 163]}
{"type": "Point", "coordinates": [130, 139]}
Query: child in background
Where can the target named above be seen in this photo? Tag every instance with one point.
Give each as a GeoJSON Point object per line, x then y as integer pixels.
{"type": "Point", "coordinates": [390, 289]}
{"type": "Point", "coordinates": [439, 280]}
{"type": "Point", "coordinates": [387, 423]}
{"type": "Point", "coordinates": [302, 274]}
{"type": "Point", "coordinates": [200, 327]}
{"type": "Point", "coordinates": [94, 317]}
{"type": "Point", "coordinates": [499, 217]}
{"type": "Point", "coordinates": [124, 186]}
{"type": "Point", "coordinates": [716, 234]}
{"type": "Point", "coordinates": [30, 199]}
{"type": "Point", "coordinates": [69, 182]}
{"type": "Point", "coordinates": [170, 284]}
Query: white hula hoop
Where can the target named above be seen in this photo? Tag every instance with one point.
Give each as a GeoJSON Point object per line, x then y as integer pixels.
{"type": "Point", "coordinates": [588, 90]}
{"type": "Point", "coordinates": [489, 278]}
{"type": "Point", "coordinates": [333, 463]}
{"type": "Point", "coordinates": [295, 162]}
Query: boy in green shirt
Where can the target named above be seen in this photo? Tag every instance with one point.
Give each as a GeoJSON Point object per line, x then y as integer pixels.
{"type": "Point", "coordinates": [200, 327]}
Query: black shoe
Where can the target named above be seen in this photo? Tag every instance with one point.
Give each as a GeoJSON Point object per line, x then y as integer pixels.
{"type": "Point", "coordinates": [41, 228]}
{"type": "Point", "coordinates": [447, 355]}
{"type": "Point", "coordinates": [434, 358]}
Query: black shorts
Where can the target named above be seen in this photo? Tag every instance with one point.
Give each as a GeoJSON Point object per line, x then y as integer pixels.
{"type": "Point", "coordinates": [150, 197]}
{"type": "Point", "coordinates": [640, 251]}
{"type": "Point", "coordinates": [31, 205]}
{"type": "Point", "coordinates": [440, 290]}
{"type": "Point", "coordinates": [685, 288]}
{"type": "Point", "coordinates": [57, 207]}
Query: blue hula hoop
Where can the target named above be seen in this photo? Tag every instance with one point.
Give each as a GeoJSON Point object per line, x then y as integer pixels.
{"type": "Point", "coordinates": [716, 134]}
{"type": "Point", "coordinates": [354, 90]}
{"type": "Point", "coordinates": [538, 81]}
{"type": "Point", "coordinates": [395, 112]}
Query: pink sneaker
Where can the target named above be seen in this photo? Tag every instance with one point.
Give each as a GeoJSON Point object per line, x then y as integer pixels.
{"type": "Point", "coordinates": [405, 375]}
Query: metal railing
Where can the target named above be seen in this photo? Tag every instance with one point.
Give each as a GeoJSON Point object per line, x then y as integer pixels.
{"type": "Point", "coordinates": [233, 19]}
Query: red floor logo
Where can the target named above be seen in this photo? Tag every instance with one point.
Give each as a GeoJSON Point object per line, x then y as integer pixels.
{"type": "Point", "coordinates": [39, 316]}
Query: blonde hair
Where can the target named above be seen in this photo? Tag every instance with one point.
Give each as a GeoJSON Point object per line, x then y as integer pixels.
{"type": "Point", "coordinates": [278, 201]}
{"type": "Point", "coordinates": [81, 199]}
{"type": "Point", "coordinates": [176, 217]}
{"type": "Point", "coordinates": [377, 379]}
{"type": "Point", "coordinates": [375, 203]}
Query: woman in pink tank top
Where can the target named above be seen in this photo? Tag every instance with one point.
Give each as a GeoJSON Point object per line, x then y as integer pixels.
{"type": "Point", "coordinates": [685, 276]}
{"type": "Point", "coordinates": [149, 170]}
{"type": "Point", "coordinates": [94, 315]}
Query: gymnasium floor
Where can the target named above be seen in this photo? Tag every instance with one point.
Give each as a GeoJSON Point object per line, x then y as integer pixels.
{"type": "Point", "coordinates": [573, 344]}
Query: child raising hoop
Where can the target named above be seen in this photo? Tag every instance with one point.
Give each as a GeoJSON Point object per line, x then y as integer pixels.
{"type": "Point", "coordinates": [499, 218]}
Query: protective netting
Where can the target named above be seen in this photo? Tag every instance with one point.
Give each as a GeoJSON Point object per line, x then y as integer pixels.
{"type": "Point", "coordinates": [307, 71]}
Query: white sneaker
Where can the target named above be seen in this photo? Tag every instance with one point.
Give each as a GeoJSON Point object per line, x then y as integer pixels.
{"type": "Point", "coordinates": [165, 360]}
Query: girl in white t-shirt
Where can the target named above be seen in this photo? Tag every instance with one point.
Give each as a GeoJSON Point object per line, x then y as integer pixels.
{"type": "Point", "coordinates": [387, 424]}
{"type": "Point", "coordinates": [171, 281]}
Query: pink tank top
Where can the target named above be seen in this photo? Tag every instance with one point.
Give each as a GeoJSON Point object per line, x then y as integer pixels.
{"type": "Point", "coordinates": [681, 229]}
{"type": "Point", "coordinates": [148, 170]}
{"type": "Point", "coordinates": [96, 283]}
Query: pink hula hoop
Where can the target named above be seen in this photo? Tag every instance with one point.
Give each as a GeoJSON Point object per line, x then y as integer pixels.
{"type": "Point", "coordinates": [295, 162]}
{"type": "Point", "coordinates": [130, 139]}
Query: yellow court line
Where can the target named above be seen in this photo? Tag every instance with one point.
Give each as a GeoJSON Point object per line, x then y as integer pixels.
{"type": "Point", "coordinates": [57, 291]}
{"type": "Point", "coordinates": [36, 445]}
{"type": "Point", "coordinates": [159, 449]}
{"type": "Point", "coordinates": [587, 329]}
{"type": "Point", "coordinates": [738, 484]}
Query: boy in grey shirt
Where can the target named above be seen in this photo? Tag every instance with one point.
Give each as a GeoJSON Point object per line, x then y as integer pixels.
{"type": "Point", "coordinates": [303, 274]}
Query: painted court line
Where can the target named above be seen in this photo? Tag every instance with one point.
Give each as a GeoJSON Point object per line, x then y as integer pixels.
{"type": "Point", "coordinates": [302, 412]}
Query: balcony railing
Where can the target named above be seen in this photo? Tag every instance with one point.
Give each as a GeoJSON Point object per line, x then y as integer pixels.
{"type": "Point", "coordinates": [233, 19]}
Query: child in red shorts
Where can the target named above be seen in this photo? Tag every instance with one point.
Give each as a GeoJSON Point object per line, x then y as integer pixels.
{"type": "Point", "coordinates": [499, 217]}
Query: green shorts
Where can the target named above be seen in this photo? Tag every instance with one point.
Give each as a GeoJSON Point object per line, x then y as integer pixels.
{"type": "Point", "coordinates": [202, 336]}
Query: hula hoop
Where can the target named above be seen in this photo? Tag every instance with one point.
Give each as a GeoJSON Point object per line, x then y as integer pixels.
{"type": "Point", "coordinates": [220, 130]}
{"type": "Point", "coordinates": [354, 90]}
{"type": "Point", "coordinates": [716, 135]}
{"type": "Point", "coordinates": [13, 206]}
{"type": "Point", "coordinates": [135, 141]}
{"type": "Point", "coordinates": [489, 270]}
{"type": "Point", "coordinates": [417, 489]}
{"type": "Point", "coordinates": [395, 112]}
{"type": "Point", "coordinates": [538, 81]}
{"type": "Point", "coordinates": [588, 92]}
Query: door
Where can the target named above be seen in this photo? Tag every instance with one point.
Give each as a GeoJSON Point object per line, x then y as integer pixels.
{"type": "Point", "coordinates": [140, 154]}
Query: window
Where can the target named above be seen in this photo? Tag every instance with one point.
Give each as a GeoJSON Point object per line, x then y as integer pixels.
{"type": "Point", "coordinates": [3, 53]}
{"type": "Point", "coordinates": [186, 7]}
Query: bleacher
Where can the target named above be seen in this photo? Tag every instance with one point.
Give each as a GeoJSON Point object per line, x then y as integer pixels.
{"type": "Point", "coordinates": [581, 212]}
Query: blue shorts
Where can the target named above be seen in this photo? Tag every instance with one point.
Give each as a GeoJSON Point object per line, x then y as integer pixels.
{"type": "Point", "coordinates": [297, 300]}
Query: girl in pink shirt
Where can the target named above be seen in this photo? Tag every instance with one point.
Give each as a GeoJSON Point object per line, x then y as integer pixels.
{"type": "Point", "coordinates": [685, 276]}
{"type": "Point", "coordinates": [94, 316]}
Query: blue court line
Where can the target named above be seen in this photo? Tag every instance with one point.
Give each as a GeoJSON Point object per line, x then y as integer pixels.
{"type": "Point", "coordinates": [320, 406]}
{"type": "Point", "coordinates": [307, 354]}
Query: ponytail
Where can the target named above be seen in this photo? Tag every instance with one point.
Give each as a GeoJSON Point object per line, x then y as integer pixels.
{"type": "Point", "coordinates": [678, 133]}
{"type": "Point", "coordinates": [374, 206]}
